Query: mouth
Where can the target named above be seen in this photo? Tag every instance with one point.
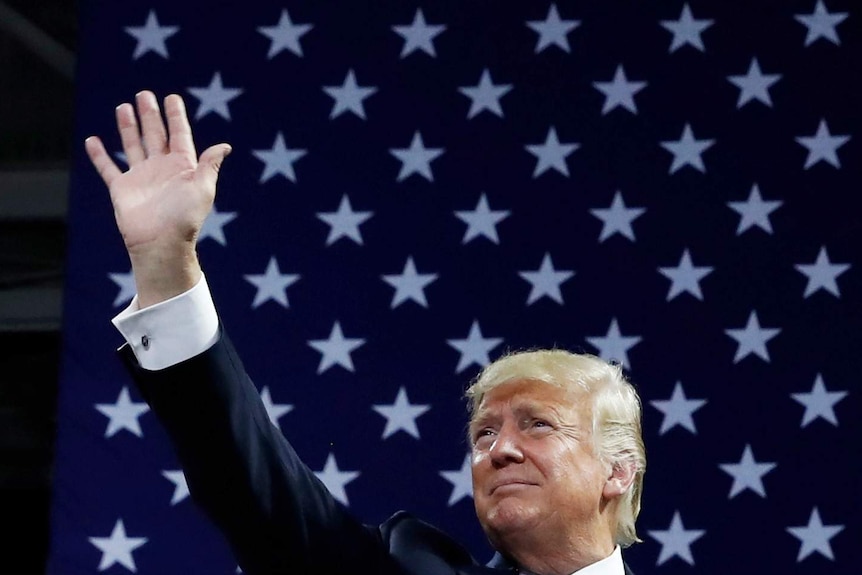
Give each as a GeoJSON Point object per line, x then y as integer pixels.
{"type": "Point", "coordinates": [511, 485]}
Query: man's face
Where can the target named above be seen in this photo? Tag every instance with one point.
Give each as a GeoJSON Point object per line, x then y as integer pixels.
{"type": "Point", "coordinates": [534, 464]}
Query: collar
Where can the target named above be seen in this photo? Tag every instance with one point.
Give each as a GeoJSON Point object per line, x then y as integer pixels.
{"type": "Point", "coordinates": [610, 565]}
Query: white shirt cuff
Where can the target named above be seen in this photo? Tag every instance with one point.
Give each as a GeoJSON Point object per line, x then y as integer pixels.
{"type": "Point", "coordinates": [171, 331]}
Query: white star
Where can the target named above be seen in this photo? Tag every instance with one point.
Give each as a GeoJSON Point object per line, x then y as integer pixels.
{"type": "Point", "coordinates": [685, 277]}
{"type": "Point", "coordinates": [461, 480]}
{"type": "Point", "coordinates": [285, 35]}
{"type": "Point", "coordinates": [819, 402]}
{"type": "Point", "coordinates": [416, 159]}
{"type": "Point", "coordinates": [485, 95]}
{"type": "Point", "coordinates": [273, 410]}
{"type": "Point", "coordinates": [123, 414]}
{"type": "Point", "coordinates": [614, 345]}
{"type": "Point", "coordinates": [822, 146]}
{"type": "Point", "coordinates": [747, 474]}
{"type": "Point", "coordinates": [349, 97]}
{"type": "Point", "coordinates": [344, 223]}
{"type": "Point", "coordinates": [822, 274]}
{"type": "Point", "coordinates": [482, 221]}
{"type": "Point", "coordinates": [551, 154]}
{"type": "Point", "coordinates": [815, 536]}
{"type": "Point", "coordinates": [401, 415]}
{"type": "Point", "coordinates": [475, 348]}
{"type": "Point", "coordinates": [552, 30]}
{"type": "Point", "coordinates": [151, 37]}
{"type": "Point", "coordinates": [214, 98]}
{"type": "Point", "coordinates": [336, 349]}
{"type": "Point", "coordinates": [335, 479]}
{"type": "Point", "coordinates": [418, 35]}
{"type": "Point", "coordinates": [126, 283]}
{"type": "Point", "coordinates": [677, 410]}
{"type": "Point", "coordinates": [676, 540]}
{"type": "Point", "coordinates": [619, 92]}
{"type": "Point", "coordinates": [181, 487]}
{"type": "Point", "coordinates": [686, 151]}
{"type": "Point", "coordinates": [752, 339]}
{"type": "Point", "coordinates": [546, 281]}
{"type": "Point", "coordinates": [118, 548]}
{"type": "Point", "coordinates": [278, 161]}
{"type": "Point", "coordinates": [617, 219]}
{"type": "Point", "coordinates": [754, 85]}
{"type": "Point", "coordinates": [821, 24]}
{"type": "Point", "coordinates": [754, 211]}
{"type": "Point", "coordinates": [409, 285]}
{"type": "Point", "coordinates": [214, 226]}
{"type": "Point", "coordinates": [271, 285]}
{"type": "Point", "coordinates": [686, 30]}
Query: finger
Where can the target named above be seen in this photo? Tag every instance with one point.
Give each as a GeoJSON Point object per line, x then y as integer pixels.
{"type": "Point", "coordinates": [210, 164]}
{"type": "Point", "coordinates": [130, 135]}
{"type": "Point", "coordinates": [101, 160]}
{"type": "Point", "coordinates": [152, 126]}
{"type": "Point", "coordinates": [180, 133]}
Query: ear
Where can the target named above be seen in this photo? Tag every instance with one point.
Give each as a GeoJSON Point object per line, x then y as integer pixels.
{"type": "Point", "coordinates": [620, 479]}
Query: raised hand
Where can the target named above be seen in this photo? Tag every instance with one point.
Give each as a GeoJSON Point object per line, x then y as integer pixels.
{"type": "Point", "coordinates": [162, 200]}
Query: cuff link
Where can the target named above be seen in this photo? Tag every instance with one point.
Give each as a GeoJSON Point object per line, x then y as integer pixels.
{"type": "Point", "coordinates": [145, 341]}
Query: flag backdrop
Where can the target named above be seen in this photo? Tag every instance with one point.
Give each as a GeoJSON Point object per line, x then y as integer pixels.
{"type": "Point", "coordinates": [417, 188]}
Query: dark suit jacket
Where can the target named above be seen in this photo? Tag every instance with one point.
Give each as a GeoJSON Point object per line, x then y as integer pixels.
{"type": "Point", "coordinates": [277, 516]}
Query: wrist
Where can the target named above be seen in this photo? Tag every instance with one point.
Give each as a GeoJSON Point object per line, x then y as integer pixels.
{"type": "Point", "coordinates": [162, 274]}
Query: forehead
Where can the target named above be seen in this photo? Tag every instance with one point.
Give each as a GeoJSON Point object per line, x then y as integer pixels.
{"type": "Point", "coordinates": [532, 393]}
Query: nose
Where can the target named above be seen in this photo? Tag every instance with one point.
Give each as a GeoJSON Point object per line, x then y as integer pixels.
{"type": "Point", "coordinates": [506, 448]}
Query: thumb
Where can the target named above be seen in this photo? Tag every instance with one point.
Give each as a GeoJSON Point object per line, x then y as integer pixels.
{"type": "Point", "coordinates": [210, 163]}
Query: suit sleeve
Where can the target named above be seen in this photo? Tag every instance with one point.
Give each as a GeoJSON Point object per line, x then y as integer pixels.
{"type": "Point", "coordinates": [277, 516]}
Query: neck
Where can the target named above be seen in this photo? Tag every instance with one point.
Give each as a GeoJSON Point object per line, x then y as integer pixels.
{"type": "Point", "coordinates": [554, 556]}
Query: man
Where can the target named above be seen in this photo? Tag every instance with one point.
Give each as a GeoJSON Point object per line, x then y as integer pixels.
{"type": "Point", "coordinates": [557, 456]}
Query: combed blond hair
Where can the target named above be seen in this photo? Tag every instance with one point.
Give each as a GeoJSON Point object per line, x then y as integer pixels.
{"type": "Point", "coordinates": [616, 411]}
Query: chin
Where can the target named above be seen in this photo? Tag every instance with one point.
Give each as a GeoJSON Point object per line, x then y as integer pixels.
{"type": "Point", "coordinates": [508, 516]}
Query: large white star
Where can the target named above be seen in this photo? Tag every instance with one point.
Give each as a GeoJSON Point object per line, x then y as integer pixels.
{"type": "Point", "coordinates": [747, 474]}
{"type": "Point", "coordinates": [334, 479]}
{"type": "Point", "coordinates": [815, 536]}
{"type": "Point", "coordinates": [551, 154]}
{"type": "Point", "coordinates": [271, 285]}
{"type": "Point", "coordinates": [821, 24]}
{"type": "Point", "coordinates": [546, 281]}
{"type": "Point", "coordinates": [752, 339]}
{"type": "Point", "coordinates": [409, 285]}
{"type": "Point", "coordinates": [687, 150]}
{"type": "Point", "coordinates": [552, 30]}
{"type": "Point", "coordinates": [214, 226]}
{"type": "Point", "coordinates": [822, 274]}
{"type": "Point", "coordinates": [482, 221]}
{"type": "Point", "coordinates": [181, 486]}
{"type": "Point", "coordinates": [461, 480]}
{"type": "Point", "coordinates": [485, 95]}
{"type": "Point", "coordinates": [344, 223]}
{"type": "Point", "coordinates": [401, 415]}
{"type": "Point", "coordinates": [285, 35]}
{"type": "Point", "coordinates": [819, 402]}
{"type": "Point", "coordinates": [419, 35]}
{"type": "Point", "coordinates": [676, 540]}
{"type": "Point", "coordinates": [754, 85]}
{"type": "Point", "coordinates": [128, 288]}
{"type": "Point", "coordinates": [278, 161]}
{"type": "Point", "coordinates": [822, 146]}
{"type": "Point", "coordinates": [336, 349]}
{"type": "Point", "coordinates": [123, 414]}
{"type": "Point", "coordinates": [349, 97]}
{"type": "Point", "coordinates": [273, 410]}
{"type": "Point", "coordinates": [685, 277]}
{"type": "Point", "coordinates": [214, 98]}
{"type": "Point", "coordinates": [118, 548]}
{"type": "Point", "coordinates": [416, 159]}
{"type": "Point", "coordinates": [151, 36]}
{"type": "Point", "coordinates": [754, 211]}
{"type": "Point", "coordinates": [686, 30]}
{"type": "Point", "coordinates": [677, 410]}
{"type": "Point", "coordinates": [614, 345]}
{"type": "Point", "coordinates": [617, 219]}
{"type": "Point", "coordinates": [474, 348]}
{"type": "Point", "coordinates": [619, 92]}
